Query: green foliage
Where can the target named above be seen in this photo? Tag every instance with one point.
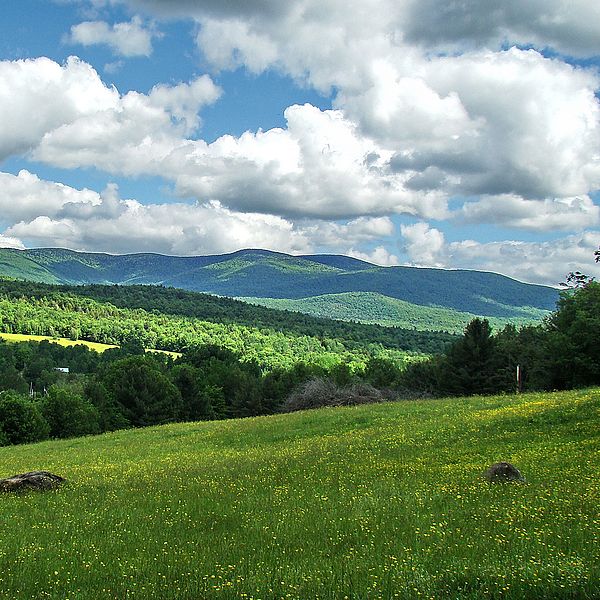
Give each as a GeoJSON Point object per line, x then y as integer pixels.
{"type": "Point", "coordinates": [11, 378]}
{"type": "Point", "coordinates": [382, 373]}
{"type": "Point", "coordinates": [562, 353]}
{"type": "Point", "coordinates": [69, 414]}
{"type": "Point", "coordinates": [21, 420]}
{"type": "Point", "coordinates": [110, 414]}
{"type": "Point", "coordinates": [470, 364]}
{"type": "Point", "coordinates": [574, 338]}
{"type": "Point", "coordinates": [197, 394]}
{"type": "Point", "coordinates": [143, 393]}
{"type": "Point", "coordinates": [373, 308]}
{"type": "Point", "coordinates": [171, 319]}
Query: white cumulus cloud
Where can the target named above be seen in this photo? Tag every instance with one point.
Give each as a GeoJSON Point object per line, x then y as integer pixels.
{"type": "Point", "coordinates": [127, 39]}
{"type": "Point", "coordinates": [45, 213]}
{"type": "Point", "coordinates": [379, 256]}
{"type": "Point", "coordinates": [545, 262]}
{"type": "Point", "coordinates": [424, 245]}
{"type": "Point", "coordinates": [11, 242]}
{"type": "Point", "coordinates": [568, 214]}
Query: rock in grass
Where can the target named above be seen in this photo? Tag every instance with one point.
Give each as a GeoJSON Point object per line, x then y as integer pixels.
{"type": "Point", "coordinates": [34, 480]}
{"type": "Point", "coordinates": [503, 472]}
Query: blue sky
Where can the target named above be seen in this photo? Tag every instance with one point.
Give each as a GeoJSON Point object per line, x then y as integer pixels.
{"type": "Point", "coordinates": [419, 132]}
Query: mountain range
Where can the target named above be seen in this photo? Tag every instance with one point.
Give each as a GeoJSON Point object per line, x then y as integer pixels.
{"type": "Point", "coordinates": [323, 285]}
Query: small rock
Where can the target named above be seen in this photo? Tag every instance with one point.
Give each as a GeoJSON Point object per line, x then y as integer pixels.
{"type": "Point", "coordinates": [503, 472]}
{"type": "Point", "coordinates": [34, 480]}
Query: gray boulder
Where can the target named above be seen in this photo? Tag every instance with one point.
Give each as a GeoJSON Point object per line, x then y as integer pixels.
{"type": "Point", "coordinates": [503, 472]}
{"type": "Point", "coordinates": [34, 480]}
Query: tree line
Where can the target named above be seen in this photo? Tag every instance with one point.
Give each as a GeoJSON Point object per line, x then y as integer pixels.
{"type": "Point", "coordinates": [561, 353]}
{"type": "Point", "coordinates": [127, 387]}
{"type": "Point", "coordinates": [185, 309]}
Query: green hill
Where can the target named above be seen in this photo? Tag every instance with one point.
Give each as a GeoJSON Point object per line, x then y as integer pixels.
{"type": "Point", "coordinates": [377, 501]}
{"type": "Point", "coordinates": [264, 274]}
{"type": "Point", "coordinates": [373, 308]}
{"type": "Point", "coordinates": [172, 319]}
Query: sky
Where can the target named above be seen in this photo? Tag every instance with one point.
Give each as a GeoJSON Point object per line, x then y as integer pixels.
{"type": "Point", "coordinates": [416, 132]}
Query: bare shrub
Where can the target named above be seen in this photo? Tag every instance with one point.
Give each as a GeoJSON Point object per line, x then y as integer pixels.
{"type": "Point", "coordinates": [318, 393]}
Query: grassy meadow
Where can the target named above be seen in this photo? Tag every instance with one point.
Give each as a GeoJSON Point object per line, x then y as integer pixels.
{"type": "Point", "coordinates": [95, 346]}
{"type": "Point", "coordinates": [379, 501]}
{"type": "Point", "coordinates": [18, 337]}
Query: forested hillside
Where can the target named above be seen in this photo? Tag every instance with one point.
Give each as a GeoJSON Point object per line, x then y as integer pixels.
{"type": "Point", "coordinates": [231, 369]}
{"type": "Point", "coordinates": [171, 319]}
{"type": "Point", "coordinates": [373, 308]}
{"type": "Point", "coordinates": [263, 274]}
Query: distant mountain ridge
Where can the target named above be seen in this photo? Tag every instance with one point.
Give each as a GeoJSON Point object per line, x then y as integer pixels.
{"type": "Point", "coordinates": [266, 274]}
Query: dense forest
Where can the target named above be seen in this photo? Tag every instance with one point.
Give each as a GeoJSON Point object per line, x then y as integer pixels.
{"type": "Point", "coordinates": [126, 387]}
{"type": "Point", "coordinates": [561, 353]}
{"type": "Point", "coordinates": [172, 319]}
{"type": "Point", "coordinates": [372, 308]}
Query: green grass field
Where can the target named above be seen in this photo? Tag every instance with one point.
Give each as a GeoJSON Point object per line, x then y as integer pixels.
{"type": "Point", "coordinates": [379, 501]}
{"type": "Point", "coordinates": [17, 337]}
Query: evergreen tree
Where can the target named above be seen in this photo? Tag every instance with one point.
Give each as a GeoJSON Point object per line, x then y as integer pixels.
{"type": "Point", "coordinates": [196, 399]}
{"type": "Point", "coordinates": [574, 338]}
{"type": "Point", "coordinates": [470, 364]}
{"type": "Point", "coordinates": [111, 415]}
{"type": "Point", "coordinates": [145, 395]}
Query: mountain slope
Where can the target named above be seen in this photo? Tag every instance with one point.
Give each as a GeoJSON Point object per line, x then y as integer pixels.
{"type": "Point", "coordinates": [265, 274]}
{"type": "Point", "coordinates": [373, 308]}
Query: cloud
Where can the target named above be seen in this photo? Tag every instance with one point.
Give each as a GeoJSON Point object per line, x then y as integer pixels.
{"type": "Point", "coordinates": [379, 256]}
{"type": "Point", "coordinates": [38, 96]}
{"type": "Point", "coordinates": [536, 262]}
{"type": "Point", "coordinates": [491, 123]}
{"type": "Point", "coordinates": [546, 262]}
{"type": "Point", "coordinates": [319, 166]}
{"type": "Point", "coordinates": [406, 145]}
{"type": "Point", "coordinates": [124, 39]}
{"type": "Point", "coordinates": [65, 115]}
{"type": "Point", "coordinates": [478, 120]}
{"type": "Point", "coordinates": [551, 214]}
{"type": "Point", "coordinates": [113, 67]}
{"type": "Point", "coordinates": [129, 134]}
{"type": "Point", "coordinates": [45, 213]}
{"type": "Point", "coordinates": [11, 242]}
{"type": "Point", "coordinates": [25, 196]}
{"type": "Point", "coordinates": [178, 229]}
{"type": "Point", "coordinates": [253, 51]}
{"type": "Point", "coordinates": [571, 27]}
{"type": "Point", "coordinates": [568, 26]}
{"type": "Point", "coordinates": [344, 235]}
{"type": "Point", "coordinates": [423, 244]}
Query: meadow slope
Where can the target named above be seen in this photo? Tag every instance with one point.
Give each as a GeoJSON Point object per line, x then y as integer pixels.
{"type": "Point", "coordinates": [379, 501]}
